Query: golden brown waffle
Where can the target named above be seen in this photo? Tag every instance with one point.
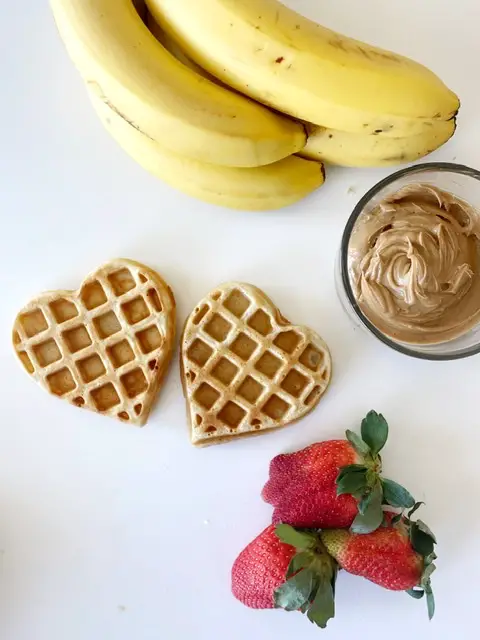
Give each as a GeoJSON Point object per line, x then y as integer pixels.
{"type": "Point", "coordinates": [105, 347]}
{"type": "Point", "coordinates": [245, 369]}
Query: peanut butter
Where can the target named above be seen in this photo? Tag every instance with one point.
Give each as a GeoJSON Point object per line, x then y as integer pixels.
{"type": "Point", "coordinates": [414, 265]}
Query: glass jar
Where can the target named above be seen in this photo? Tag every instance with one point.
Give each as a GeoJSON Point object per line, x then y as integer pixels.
{"type": "Point", "coordinates": [457, 179]}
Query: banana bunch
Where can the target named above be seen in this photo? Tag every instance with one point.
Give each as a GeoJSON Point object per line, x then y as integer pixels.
{"type": "Point", "coordinates": [240, 102]}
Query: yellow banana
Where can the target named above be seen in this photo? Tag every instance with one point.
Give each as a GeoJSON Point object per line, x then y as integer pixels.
{"type": "Point", "coordinates": [267, 51]}
{"type": "Point", "coordinates": [141, 9]}
{"type": "Point", "coordinates": [360, 150]}
{"type": "Point", "coordinates": [190, 115]}
{"type": "Point", "coordinates": [343, 147]}
{"type": "Point", "coordinates": [175, 49]}
{"type": "Point", "coordinates": [254, 189]}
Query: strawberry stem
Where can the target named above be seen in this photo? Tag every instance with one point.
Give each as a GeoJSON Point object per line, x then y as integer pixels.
{"type": "Point", "coordinates": [364, 482]}
{"type": "Point", "coordinates": [310, 578]}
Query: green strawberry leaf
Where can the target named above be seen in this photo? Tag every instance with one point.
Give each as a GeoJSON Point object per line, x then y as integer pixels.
{"type": "Point", "coordinates": [365, 502]}
{"type": "Point", "coordinates": [374, 431]}
{"type": "Point", "coordinates": [359, 495]}
{"type": "Point", "coordinates": [372, 516]}
{"type": "Point", "coordinates": [299, 561]}
{"type": "Point", "coordinates": [371, 495]}
{"type": "Point", "coordinates": [416, 593]}
{"type": "Point", "coordinates": [430, 601]}
{"type": "Point", "coordinates": [322, 608]}
{"type": "Point", "coordinates": [423, 527]}
{"type": "Point", "coordinates": [294, 537]}
{"type": "Point", "coordinates": [357, 443]}
{"type": "Point", "coordinates": [415, 507]}
{"type": "Point", "coordinates": [425, 589]}
{"type": "Point", "coordinates": [333, 581]}
{"type": "Point", "coordinates": [304, 607]}
{"type": "Point", "coordinates": [295, 593]}
{"type": "Point", "coordinates": [311, 575]}
{"type": "Point", "coordinates": [429, 569]}
{"type": "Point", "coordinates": [350, 468]}
{"type": "Point", "coordinates": [396, 496]}
{"type": "Point", "coordinates": [422, 542]}
{"type": "Point", "coordinates": [352, 482]}
{"type": "Point", "coordinates": [396, 519]}
{"type": "Point", "coordinates": [372, 477]}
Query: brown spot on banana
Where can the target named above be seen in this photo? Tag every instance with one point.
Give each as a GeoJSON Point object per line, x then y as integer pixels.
{"type": "Point", "coordinates": [98, 91]}
{"type": "Point", "coordinates": [400, 158]}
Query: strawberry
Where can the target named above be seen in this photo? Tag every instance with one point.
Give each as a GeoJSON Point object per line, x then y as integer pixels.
{"type": "Point", "coordinates": [397, 556]}
{"type": "Point", "coordinates": [260, 569]}
{"type": "Point", "coordinates": [302, 486]}
{"type": "Point", "coordinates": [289, 569]}
{"type": "Point", "coordinates": [337, 483]}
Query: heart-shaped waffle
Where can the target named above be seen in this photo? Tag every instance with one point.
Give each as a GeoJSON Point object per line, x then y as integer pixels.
{"type": "Point", "coordinates": [245, 369]}
{"type": "Point", "coordinates": [105, 347]}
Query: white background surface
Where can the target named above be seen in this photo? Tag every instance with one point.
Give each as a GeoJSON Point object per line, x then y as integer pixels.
{"type": "Point", "coordinates": [112, 533]}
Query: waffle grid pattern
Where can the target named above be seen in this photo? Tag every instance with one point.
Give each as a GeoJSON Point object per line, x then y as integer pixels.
{"type": "Point", "coordinates": [104, 347]}
{"type": "Point", "coordinates": [247, 369]}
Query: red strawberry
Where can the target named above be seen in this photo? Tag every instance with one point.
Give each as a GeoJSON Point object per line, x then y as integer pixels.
{"type": "Point", "coordinates": [385, 556]}
{"type": "Point", "coordinates": [302, 486]}
{"type": "Point", "coordinates": [336, 484]}
{"type": "Point", "coordinates": [397, 556]}
{"type": "Point", "coordinates": [260, 569]}
{"type": "Point", "coordinates": [288, 569]}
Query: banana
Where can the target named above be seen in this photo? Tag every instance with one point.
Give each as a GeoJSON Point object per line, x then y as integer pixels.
{"type": "Point", "coordinates": [271, 53]}
{"type": "Point", "coordinates": [177, 52]}
{"type": "Point", "coordinates": [141, 9]}
{"type": "Point", "coordinates": [115, 52]}
{"type": "Point", "coordinates": [174, 48]}
{"type": "Point", "coordinates": [254, 189]}
{"type": "Point", "coordinates": [360, 150]}
{"type": "Point", "coordinates": [343, 148]}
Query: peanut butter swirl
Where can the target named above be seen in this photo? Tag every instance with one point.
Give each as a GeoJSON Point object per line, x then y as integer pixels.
{"type": "Point", "coordinates": [414, 265]}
